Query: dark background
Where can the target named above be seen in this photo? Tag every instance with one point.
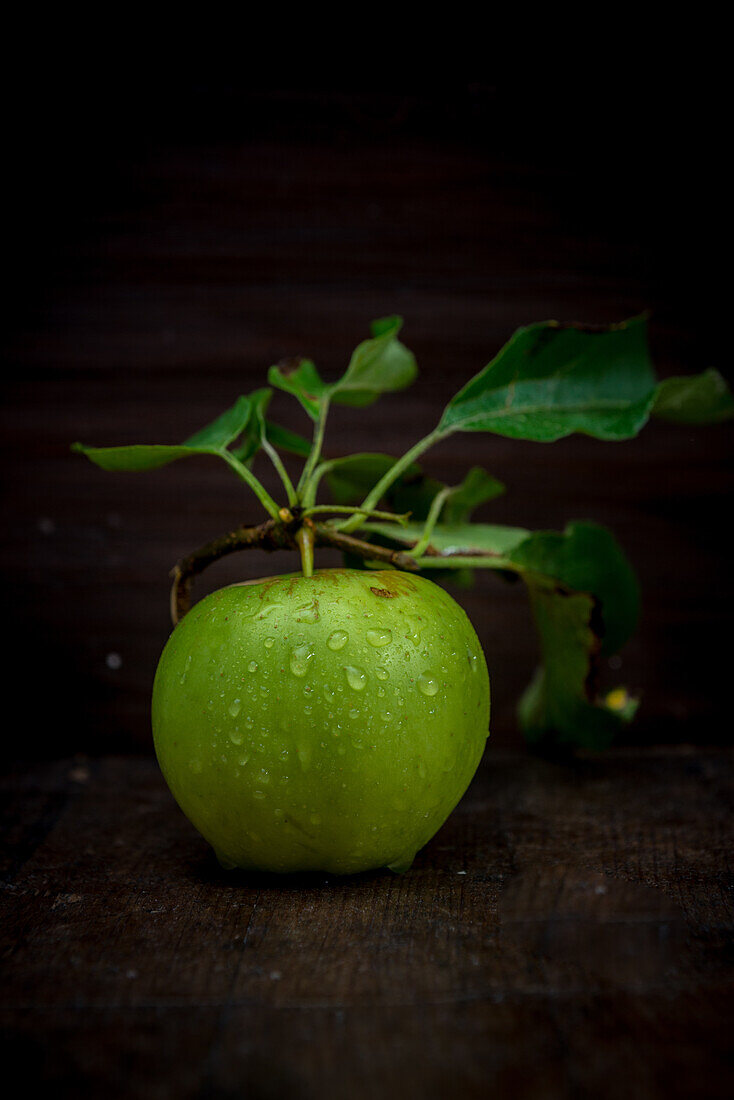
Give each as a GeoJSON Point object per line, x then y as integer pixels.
{"type": "Point", "coordinates": [166, 244]}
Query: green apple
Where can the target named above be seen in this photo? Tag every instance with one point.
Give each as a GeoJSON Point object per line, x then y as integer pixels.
{"type": "Point", "coordinates": [325, 723]}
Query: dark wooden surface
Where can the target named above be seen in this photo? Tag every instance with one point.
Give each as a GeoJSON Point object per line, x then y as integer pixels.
{"type": "Point", "coordinates": [566, 934]}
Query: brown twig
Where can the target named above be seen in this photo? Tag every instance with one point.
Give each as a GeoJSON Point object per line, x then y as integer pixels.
{"type": "Point", "coordinates": [326, 536]}
{"type": "Point", "coordinates": [270, 535]}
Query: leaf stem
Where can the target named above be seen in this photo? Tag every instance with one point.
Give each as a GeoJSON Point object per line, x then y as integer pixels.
{"type": "Point", "coordinates": [281, 470]}
{"type": "Point", "coordinates": [315, 454]}
{"type": "Point", "coordinates": [471, 561]}
{"type": "Point", "coordinates": [259, 490]}
{"type": "Point", "coordinates": [392, 517]}
{"type": "Point", "coordinates": [308, 496]}
{"type": "Point", "coordinates": [378, 491]}
{"type": "Point", "coordinates": [431, 520]}
{"type": "Point", "coordinates": [305, 541]}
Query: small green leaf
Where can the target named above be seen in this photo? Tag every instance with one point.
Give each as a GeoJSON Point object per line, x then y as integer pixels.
{"type": "Point", "coordinates": [477, 488]}
{"type": "Point", "coordinates": [304, 382]}
{"type": "Point", "coordinates": [550, 380]}
{"type": "Point", "coordinates": [222, 431]}
{"type": "Point", "coordinates": [463, 539]}
{"type": "Point", "coordinates": [557, 707]}
{"type": "Point", "coordinates": [587, 558]}
{"type": "Point", "coordinates": [286, 440]}
{"type": "Point", "coordinates": [139, 456]}
{"type": "Point", "coordinates": [694, 399]}
{"type": "Point", "coordinates": [213, 439]}
{"type": "Point", "coordinates": [379, 365]}
{"type": "Point", "coordinates": [255, 427]}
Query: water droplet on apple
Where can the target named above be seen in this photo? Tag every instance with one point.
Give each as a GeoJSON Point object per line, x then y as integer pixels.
{"type": "Point", "coordinates": [308, 613]}
{"type": "Point", "coordinates": [184, 674]}
{"type": "Point", "coordinates": [379, 638]}
{"type": "Point", "coordinates": [356, 677]}
{"type": "Point", "coordinates": [428, 683]}
{"type": "Point", "coordinates": [234, 707]}
{"type": "Point", "coordinates": [269, 643]}
{"type": "Point", "coordinates": [236, 737]}
{"type": "Point", "coordinates": [304, 756]}
{"type": "Point", "coordinates": [300, 656]}
{"type": "Point", "coordinates": [252, 667]}
{"type": "Point", "coordinates": [337, 640]}
{"type": "Point", "coordinates": [268, 609]}
{"type": "Point", "coordinates": [381, 673]}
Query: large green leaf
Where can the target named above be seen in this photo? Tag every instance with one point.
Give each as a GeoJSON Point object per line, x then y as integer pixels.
{"type": "Point", "coordinates": [558, 706]}
{"type": "Point", "coordinates": [694, 399]}
{"type": "Point", "coordinates": [378, 365]}
{"type": "Point", "coordinates": [213, 439]}
{"type": "Point", "coordinates": [550, 380]}
{"type": "Point", "coordinates": [587, 558]}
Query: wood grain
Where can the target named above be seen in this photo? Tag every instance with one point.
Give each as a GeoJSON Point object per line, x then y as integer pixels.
{"type": "Point", "coordinates": [567, 933]}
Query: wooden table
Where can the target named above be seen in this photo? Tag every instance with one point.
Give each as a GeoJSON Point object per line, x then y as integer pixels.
{"type": "Point", "coordinates": [567, 933]}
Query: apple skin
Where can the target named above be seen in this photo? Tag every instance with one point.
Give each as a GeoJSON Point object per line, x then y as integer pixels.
{"type": "Point", "coordinates": [328, 723]}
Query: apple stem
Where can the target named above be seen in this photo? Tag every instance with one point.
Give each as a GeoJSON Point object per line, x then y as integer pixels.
{"type": "Point", "coordinates": [305, 540]}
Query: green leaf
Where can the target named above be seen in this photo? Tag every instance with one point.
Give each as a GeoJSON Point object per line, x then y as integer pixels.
{"type": "Point", "coordinates": [303, 382]}
{"type": "Point", "coordinates": [255, 427]}
{"type": "Point", "coordinates": [286, 440]}
{"type": "Point", "coordinates": [212, 439]}
{"type": "Point", "coordinates": [138, 457]}
{"type": "Point", "coordinates": [222, 431]}
{"type": "Point", "coordinates": [557, 706]}
{"type": "Point", "coordinates": [463, 539]}
{"type": "Point", "coordinates": [694, 399]}
{"type": "Point", "coordinates": [378, 365]}
{"type": "Point", "coordinates": [550, 380]}
{"type": "Point", "coordinates": [587, 558]}
{"type": "Point", "coordinates": [477, 488]}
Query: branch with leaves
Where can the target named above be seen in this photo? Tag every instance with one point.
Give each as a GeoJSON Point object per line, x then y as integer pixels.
{"type": "Point", "coordinates": [547, 382]}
